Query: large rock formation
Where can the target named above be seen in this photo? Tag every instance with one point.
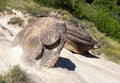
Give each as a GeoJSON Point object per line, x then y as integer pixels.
{"type": "Point", "coordinates": [42, 41]}
{"type": "Point", "coordinates": [45, 38]}
{"type": "Point", "coordinates": [78, 40]}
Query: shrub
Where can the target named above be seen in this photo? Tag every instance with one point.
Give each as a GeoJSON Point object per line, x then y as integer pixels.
{"type": "Point", "coordinates": [16, 75]}
{"type": "Point", "coordinates": [105, 3]}
{"type": "Point", "coordinates": [16, 20]}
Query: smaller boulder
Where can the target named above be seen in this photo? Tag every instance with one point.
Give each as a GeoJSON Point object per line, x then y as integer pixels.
{"type": "Point", "coordinates": [78, 40]}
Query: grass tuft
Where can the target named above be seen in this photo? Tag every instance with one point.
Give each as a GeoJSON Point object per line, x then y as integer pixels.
{"type": "Point", "coordinates": [16, 20]}
{"type": "Point", "coordinates": [15, 75]}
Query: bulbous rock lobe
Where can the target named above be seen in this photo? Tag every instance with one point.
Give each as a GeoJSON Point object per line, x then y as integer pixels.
{"type": "Point", "coordinates": [42, 41]}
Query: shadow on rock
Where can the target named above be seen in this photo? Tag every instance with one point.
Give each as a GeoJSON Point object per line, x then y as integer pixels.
{"type": "Point", "coordinates": [65, 63]}
{"type": "Point", "coordinates": [89, 55]}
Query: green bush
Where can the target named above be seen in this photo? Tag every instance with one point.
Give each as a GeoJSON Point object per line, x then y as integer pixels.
{"type": "Point", "coordinates": [105, 3]}
{"type": "Point", "coordinates": [16, 75]}
{"type": "Point", "coordinates": [16, 20]}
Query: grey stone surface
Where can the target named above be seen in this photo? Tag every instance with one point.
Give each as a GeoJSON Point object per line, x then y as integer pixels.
{"type": "Point", "coordinates": [42, 41]}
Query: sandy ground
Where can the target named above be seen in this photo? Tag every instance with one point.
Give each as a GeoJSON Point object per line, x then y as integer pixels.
{"type": "Point", "coordinates": [70, 67]}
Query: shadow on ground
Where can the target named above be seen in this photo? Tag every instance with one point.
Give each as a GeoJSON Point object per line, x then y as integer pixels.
{"type": "Point", "coordinates": [89, 55]}
{"type": "Point", "coordinates": [65, 63]}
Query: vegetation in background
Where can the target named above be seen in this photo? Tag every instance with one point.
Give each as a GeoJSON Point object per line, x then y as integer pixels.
{"type": "Point", "coordinates": [16, 75]}
{"type": "Point", "coordinates": [16, 20]}
{"type": "Point", "coordinates": [104, 13]}
{"type": "Point", "coordinates": [3, 4]}
{"type": "Point", "coordinates": [28, 6]}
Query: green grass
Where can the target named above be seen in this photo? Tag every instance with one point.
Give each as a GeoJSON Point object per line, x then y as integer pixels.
{"type": "Point", "coordinates": [3, 4]}
{"type": "Point", "coordinates": [16, 20]}
{"type": "Point", "coordinates": [15, 75]}
{"type": "Point", "coordinates": [32, 8]}
{"type": "Point", "coordinates": [1, 79]}
{"type": "Point", "coordinates": [28, 6]}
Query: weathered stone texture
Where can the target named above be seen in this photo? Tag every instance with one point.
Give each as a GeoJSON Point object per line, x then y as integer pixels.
{"type": "Point", "coordinates": [42, 41]}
